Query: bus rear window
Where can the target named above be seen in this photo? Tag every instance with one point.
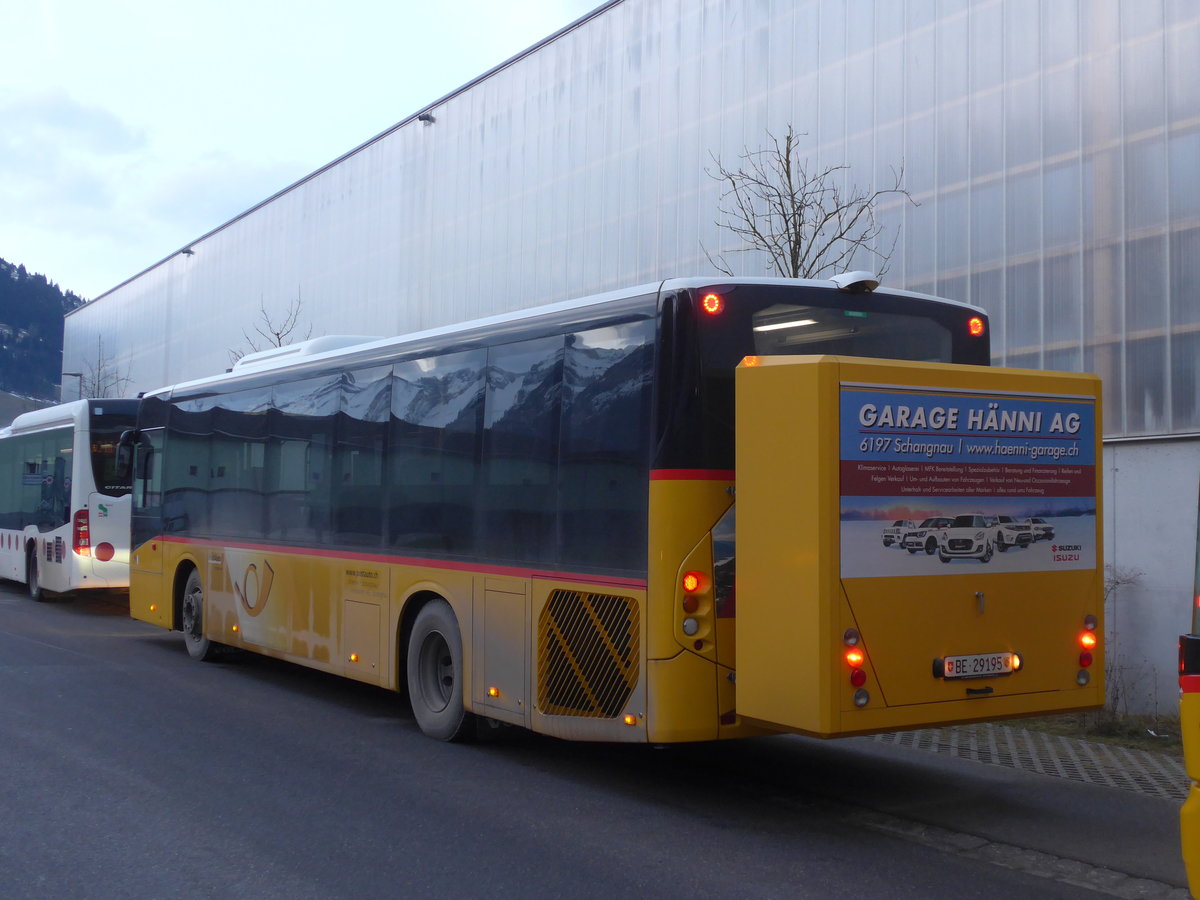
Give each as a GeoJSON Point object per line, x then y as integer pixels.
{"type": "Point", "coordinates": [104, 463]}
{"type": "Point", "coordinates": [786, 329]}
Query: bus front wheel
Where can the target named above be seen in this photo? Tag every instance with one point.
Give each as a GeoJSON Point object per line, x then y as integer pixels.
{"type": "Point", "coordinates": [435, 674]}
{"type": "Point", "coordinates": [191, 609]}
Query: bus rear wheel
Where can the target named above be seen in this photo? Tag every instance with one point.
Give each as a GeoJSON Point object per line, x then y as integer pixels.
{"type": "Point", "coordinates": [191, 618]}
{"type": "Point", "coordinates": [36, 591]}
{"type": "Point", "coordinates": [435, 674]}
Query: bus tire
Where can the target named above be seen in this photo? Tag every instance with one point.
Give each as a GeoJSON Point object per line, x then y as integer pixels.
{"type": "Point", "coordinates": [435, 674]}
{"type": "Point", "coordinates": [36, 591]}
{"type": "Point", "coordinates": [191, 619]}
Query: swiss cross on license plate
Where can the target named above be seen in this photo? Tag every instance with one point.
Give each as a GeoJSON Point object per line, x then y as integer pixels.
{"type": "Point", "coordinates": [979, 665]}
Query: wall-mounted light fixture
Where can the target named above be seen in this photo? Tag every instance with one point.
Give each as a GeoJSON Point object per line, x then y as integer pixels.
{"type": "Point", "coordinates": [187, 251]}
{"type": "Point", "coordinates": [427, 118]}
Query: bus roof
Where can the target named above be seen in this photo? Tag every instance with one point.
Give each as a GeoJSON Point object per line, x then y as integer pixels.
{"type": "Point", "coordinates": [330, 347]}
{"type": "Point", "coordinates": [73, 412]}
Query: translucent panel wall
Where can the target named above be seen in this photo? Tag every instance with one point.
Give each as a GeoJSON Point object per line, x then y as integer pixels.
{"type": "Point", "coordinates": [1052, 148]}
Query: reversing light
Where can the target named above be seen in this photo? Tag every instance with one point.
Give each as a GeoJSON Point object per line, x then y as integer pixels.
{"type": "Point", "coordinates": [975, 326]}
{"type": "Point", "coordinates": [712, 304]}
{"type": "Point", "coordinates": [851, 637]}
{"type": "Point", "coordinates": [861, 697]}
{"type": "Point", "coordinates": [1083, 677]}
{"type": "Point", "coordinates": [690, 627]}
{"type": "Point", "coordinates": [1089, 622]}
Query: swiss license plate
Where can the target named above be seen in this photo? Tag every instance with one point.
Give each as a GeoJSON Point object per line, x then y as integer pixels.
{"type": "Point", "coordinates": [979, 665]}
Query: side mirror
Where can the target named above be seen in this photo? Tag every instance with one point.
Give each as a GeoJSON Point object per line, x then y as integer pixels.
{"type": "Point", "coordinates": [124, 460]}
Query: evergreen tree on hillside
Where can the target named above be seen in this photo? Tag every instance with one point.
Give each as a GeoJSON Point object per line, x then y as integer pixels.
{"type": "Point", "coordinates": [31, 331]}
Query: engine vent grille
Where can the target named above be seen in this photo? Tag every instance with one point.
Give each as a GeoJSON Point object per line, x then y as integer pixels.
{"type": "Point", "coordinates": [587, 654]}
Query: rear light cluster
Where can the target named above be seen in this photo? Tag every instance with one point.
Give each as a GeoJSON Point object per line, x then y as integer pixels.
{"type": "Point", "coordinates": [1088, 641]}
{"type": "Point", "coordinates": [81, 534]}
{"type": "Point", "coordinates": [697, 604]}
{"type": "Point", "coordinates": [856, 657]}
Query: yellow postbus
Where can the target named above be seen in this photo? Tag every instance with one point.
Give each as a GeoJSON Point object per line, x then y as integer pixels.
{"type": "Point", "coordinates": [530, 518]}
{"type": "Point", "coordinates": [1189, 715]}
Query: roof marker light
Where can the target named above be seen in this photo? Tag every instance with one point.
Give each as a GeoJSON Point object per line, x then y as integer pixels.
{"type": "Point", "coordinates": [975, 326]}
{"type": "Point", "coordinates": [712, 304]}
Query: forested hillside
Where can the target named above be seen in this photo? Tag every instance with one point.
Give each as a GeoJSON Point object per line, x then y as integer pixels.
{"type": "Point", "coordinates": [31, 331]}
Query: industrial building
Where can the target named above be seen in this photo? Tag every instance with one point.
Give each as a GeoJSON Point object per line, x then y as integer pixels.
{"type": "Point", "coordinates": [1052, 148]}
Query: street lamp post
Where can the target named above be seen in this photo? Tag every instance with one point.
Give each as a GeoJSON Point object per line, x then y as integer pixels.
{"type": "Point", "coordinates": [78, 375]}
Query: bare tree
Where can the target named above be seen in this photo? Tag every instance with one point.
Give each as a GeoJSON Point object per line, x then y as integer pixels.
{"type": "Point", "coordinates": [102, 376]}
{"type": "Point", "coordinates": [802, 218]}
{"type": "Point", "coordinates": [269, 333]}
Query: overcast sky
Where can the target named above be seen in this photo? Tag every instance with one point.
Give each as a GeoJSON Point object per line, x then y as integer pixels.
{"type": "Point", "coordinates": [129, 128]}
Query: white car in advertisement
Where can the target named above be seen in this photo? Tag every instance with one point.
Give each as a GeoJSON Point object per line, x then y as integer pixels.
{"type": "Point", "coordinates": [1011, 533]}
{"type": "Point", "coordinates": [1042, 530]}
{"type": "Point", "coordinates": [895, 532]}
{"type": "Point", "coordinates": [925, 536]}
{"type": "Point", "coordinates": [970, 536]}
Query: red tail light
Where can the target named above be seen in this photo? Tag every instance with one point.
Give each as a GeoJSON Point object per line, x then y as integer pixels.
{"type": "Point", "coordinates": [81, 534]}
{"type": "Point", "coordinates": [975, 326]}
{"type": "Point", "coordinates": [712, 304]}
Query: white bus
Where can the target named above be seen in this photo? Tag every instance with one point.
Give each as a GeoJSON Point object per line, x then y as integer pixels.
{"type": "Point", "coordinates": [64, 508]}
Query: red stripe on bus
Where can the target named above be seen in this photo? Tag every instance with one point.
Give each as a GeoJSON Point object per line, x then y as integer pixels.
{"type": "Point", "coordinates": [454, 566]}
{"type": "Point", "coordinates": [1189, 684]}
{"type": "Point", "coordinates": [691, 475]}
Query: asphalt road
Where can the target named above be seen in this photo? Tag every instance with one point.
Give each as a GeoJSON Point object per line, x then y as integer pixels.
{"type": "Point", "coordinates": [128, 770]}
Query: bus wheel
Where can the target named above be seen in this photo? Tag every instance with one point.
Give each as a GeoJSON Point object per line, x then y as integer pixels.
{"type": "Point", "coordinates": [435, 674]}
{"type": "Point", "coordinates": [35, 584]}
{"type": "Point", "coordinates": [192, 619]}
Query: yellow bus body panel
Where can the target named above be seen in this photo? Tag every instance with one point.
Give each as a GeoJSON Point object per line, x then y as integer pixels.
{"type": "Point", "coordinates": [560, 656]}
{"type": "Point", "coordinates": [1189, 817]}
{"type": "Point", "coordinates": [796, 601]}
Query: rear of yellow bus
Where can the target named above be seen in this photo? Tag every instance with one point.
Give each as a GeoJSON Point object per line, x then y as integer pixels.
{"type": "Point", "coordinates": [857, 412]}
{"type": "Point", "coordinates": [1189, 713]}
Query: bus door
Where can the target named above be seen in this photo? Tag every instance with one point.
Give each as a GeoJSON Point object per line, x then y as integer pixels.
{"type": "Point", "coordinates": [889, 573]}
{"type": "Point", "coordinates": [146, 595]}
